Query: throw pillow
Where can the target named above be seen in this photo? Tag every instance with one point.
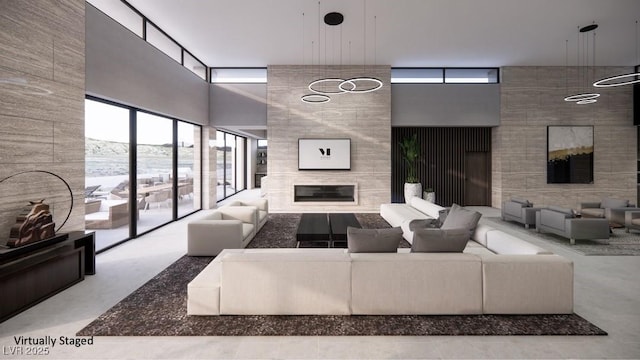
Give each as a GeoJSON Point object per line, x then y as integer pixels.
{"type": "Point", "coordinates": [373, 240]}
{"type": "Point", "coordinates": [438, 240]}
{"type": "Point", "coordinates": [423, 223]}
{"type": "Point", "coordinates": [461, 218]}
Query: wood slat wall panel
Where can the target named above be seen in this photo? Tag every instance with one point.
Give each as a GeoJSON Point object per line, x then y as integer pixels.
{"type": "Point", "coordinates": [442, 164]}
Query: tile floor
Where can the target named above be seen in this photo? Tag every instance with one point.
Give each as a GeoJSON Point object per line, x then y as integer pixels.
{"type": "Point", "coordinates": [607, 293]}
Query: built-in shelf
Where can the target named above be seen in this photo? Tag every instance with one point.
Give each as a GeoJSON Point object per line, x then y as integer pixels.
{"type": "Point", "coordinates": [261, 165]}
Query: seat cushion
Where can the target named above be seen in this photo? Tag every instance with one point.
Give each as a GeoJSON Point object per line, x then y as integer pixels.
{"type": "Point", "coordinates": [373, 240]}
{"type": "Point", "coordinates": [598, 213]}
{"type": "Point", "coordinates": [423, 223]}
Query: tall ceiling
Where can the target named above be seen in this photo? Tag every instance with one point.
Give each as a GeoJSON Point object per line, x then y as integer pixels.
{"type": "Point", "coordinates": [400, 33]}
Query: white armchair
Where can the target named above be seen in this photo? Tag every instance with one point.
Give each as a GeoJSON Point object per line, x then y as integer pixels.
{"type": "Point", "coordinates": [262, 208]}
{"type": "Point", "coordinates": [224, 228]}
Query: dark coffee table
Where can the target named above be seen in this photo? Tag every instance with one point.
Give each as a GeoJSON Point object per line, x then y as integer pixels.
{"type": "Point", "coordinates": [313, 227]}
{"type": "Point", "coordinates": [322, 227]}
{"type": "Point", "coordinates": [339, 223]}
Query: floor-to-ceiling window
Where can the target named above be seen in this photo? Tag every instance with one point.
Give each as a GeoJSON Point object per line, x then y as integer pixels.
{"type": "Point", "coordinates": [166, 157]}
{"type": "Point", "coordinates": [189, 158]}
{"type": "Point", "coordinates": [107, 167]}
{"type": "Point", "coordinates": [231, 164]}
{"type": "Point", "coordinates": [154, 169]}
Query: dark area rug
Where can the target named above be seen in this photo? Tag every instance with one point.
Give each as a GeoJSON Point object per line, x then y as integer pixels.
{"type": "Point", "coordinates": [620, 242]}
{"type": "Point", "coordinates": [159, 308]}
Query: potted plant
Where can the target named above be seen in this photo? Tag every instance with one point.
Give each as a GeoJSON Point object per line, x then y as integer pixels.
{"type": "Point", "coordinates": [429, 195]}
{"type": "Point", "coordinates": [410, 153]}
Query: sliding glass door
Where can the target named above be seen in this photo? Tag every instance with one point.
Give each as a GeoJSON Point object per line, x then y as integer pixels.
{"type": "Point", "coordinates": [107, 168]}
{"type": "Point", "coordinates": [154, 170]}
{"type": "Point", "coordinates": [189, 160]}
{"type": "Point", "coordinates": [163, 153]}
{"type": "Point", "coordinates": [231, 164]}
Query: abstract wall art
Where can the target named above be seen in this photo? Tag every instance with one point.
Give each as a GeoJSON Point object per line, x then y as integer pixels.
{"type": "Point", "coordinates": [569, 154]}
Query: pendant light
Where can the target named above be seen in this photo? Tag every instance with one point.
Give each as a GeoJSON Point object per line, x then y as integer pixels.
{"type": "Point", "coordinates": [367, 83]}
{"type": "Point", "coordinates": [585, 97]}
{"type": "Point", "coordinates": [315, 98]}
{"type": "Point", "coordinates": [356, 85]}
{"type": "Point", "coordinates": [627, 79]}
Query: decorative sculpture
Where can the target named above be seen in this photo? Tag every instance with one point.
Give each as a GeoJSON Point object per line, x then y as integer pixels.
{"type": "Point", "coordinates": [35, 223]}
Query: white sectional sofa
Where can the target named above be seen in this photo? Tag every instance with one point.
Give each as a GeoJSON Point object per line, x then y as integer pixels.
{"type": "Point", "coordinates": [496, 274]}
{"type": "Point", "coordinates": [402, 215]}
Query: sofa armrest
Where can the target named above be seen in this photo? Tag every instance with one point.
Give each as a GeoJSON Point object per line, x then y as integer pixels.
{"type": "Point", "coordinates": [529, 214]}
{"type": "Point", "coordinates": [247, 214]}
{"type": "Point", "coordinates": [587, 228]}
{"type": "Point", "coordinates": [512, 208]}
{"type": "Point", "coordinates": [616, 215]}
{"type": "Point", "coordinates": [527, 284]}
{"type": "Point", "coordinates": [209, 237]}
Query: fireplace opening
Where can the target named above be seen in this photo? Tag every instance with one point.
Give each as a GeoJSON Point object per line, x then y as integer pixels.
{"type": "Point", "coordinates": [324, 193]}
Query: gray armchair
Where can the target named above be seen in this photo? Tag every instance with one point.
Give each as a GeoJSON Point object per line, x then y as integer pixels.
{"type": "Point", "coordinates": [561, 221]}
{"type": "Point", "coordinates": [519, 210]}
{"type": "Point", "coordinates": [611, 209]}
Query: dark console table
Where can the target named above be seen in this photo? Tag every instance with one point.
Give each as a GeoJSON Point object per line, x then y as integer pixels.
{"type": "Point", "coordinates": [29, 275]}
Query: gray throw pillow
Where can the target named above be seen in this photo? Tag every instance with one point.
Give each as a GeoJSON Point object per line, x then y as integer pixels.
{"type": "Point", "coordinates": [373, 240]}
{"type": "Point", "coordinates": [423, 223]}
{"type": "Point", "coordinates": [461, 218]}
{"type": "Point", "coordinates": [438, 240]}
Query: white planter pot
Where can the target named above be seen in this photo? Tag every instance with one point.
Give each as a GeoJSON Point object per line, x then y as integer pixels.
{"type": "Point", "coordinates": [430, 196]}
{"type": "Point", "coordinates": [412, 189]}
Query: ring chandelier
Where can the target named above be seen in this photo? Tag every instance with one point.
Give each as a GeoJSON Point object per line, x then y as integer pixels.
{"type": "Point", "coordinates": [585, 97]}
{"type": "Point", "coordinates": [356, 85]}
{"type": "Point", "coordinates": [631, 78]}
{"type": "Point", "coordinates": [315, 98]}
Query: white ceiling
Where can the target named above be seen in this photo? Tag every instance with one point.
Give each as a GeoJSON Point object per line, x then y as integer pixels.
{"type": "Point", "coordinates": [400, 33]}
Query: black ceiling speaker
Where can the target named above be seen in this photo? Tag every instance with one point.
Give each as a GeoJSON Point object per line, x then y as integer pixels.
{"type": "Point", "coordinates": [333, 18]}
